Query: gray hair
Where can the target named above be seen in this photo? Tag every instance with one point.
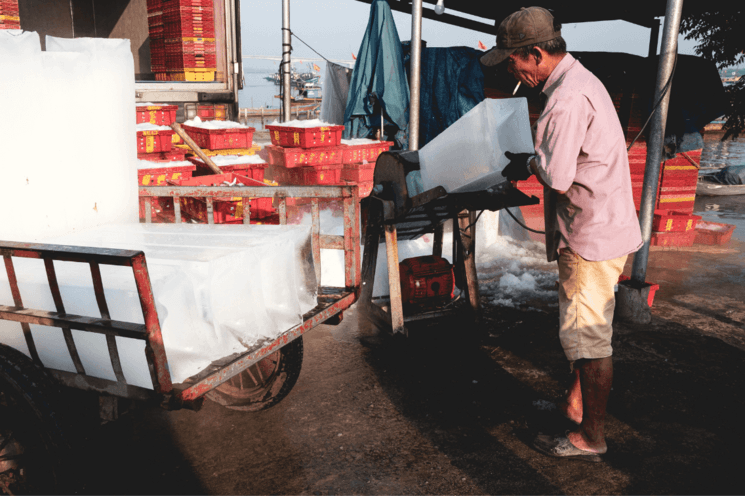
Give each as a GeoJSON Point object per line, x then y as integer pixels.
{"type": "Point", "coordinates": [557, 46]}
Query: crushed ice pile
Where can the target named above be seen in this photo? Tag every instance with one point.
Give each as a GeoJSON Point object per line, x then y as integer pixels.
{"type": "Point", "coordinates": [197, 122]}
{"type": "Point", "coordinates": [236, 159]}
{"type": "Point", "coordinates": [359, 141]}
{"type": "Point", "coordinates": [146, 126]}
{"type": "Point", "coordinates": [297, 123]}
{"type": "Point", "coordinates": [147, 164]}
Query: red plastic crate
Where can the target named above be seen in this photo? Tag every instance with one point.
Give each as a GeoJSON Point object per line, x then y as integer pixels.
{"type": "Point", "coordinates": [305, 137]}
{"type": "Point", "coordinates": [254, 171]}
{"type": "Point", "coordinates": [160, 115]}
{"type": "Point", "coordinates": [298, 157]}
{"type": "Point", "coordinates": [426, 279]}
{"type": "Point", "coordinates": [157, 176]}
{"type": "Point", "coordinates": [354, 154]}
{"type": "Point", "coordinates": [684, 238]}
{"type": "Point", "coordinates": [219, 139]}
{"type": "Point", "coordinates": [671, 221]}
{"type": "Point", "coordinates": [174, 4]}
{"type": "Point", "coordinates": [358, 173]}
{"type": "Point", "coordinates": [225, 210]}
{"type": "Point", "coordinates": [364, 189]}
{"type": "Point", "coordinates": [175, 155]}
{"type": "Point", "coordinates": [208, 112]}
{"type": "Point", "coordinates": [713, 233]}
{"type": "Point", "coordinates": [680, 203]}
{"type": "Point", "coordinates": [154, 141]}
{"type": "Point", "coordinates": [652, 289]}
{"type": "Point", "coordinates": [315, 175]}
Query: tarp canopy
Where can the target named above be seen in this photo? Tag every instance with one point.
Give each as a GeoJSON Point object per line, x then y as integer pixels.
{"type": "Point", "coordinates": [379, 81]}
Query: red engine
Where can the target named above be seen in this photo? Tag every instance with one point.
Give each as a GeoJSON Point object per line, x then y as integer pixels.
{"type": "Point", "coordinates": [426, 280]}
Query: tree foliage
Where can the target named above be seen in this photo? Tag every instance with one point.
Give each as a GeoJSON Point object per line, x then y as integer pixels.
{"type": "Point", "coordinates": [719, 28]}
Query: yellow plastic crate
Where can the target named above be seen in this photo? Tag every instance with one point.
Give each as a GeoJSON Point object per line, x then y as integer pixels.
{"type": "Point", "coordinates": [193, 74]}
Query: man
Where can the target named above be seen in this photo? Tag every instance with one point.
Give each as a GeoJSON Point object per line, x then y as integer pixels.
{"type": "Point", "coordinates": [591, 223]}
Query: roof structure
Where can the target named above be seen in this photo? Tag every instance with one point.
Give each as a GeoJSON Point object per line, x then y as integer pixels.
{"type": "Point", "coordinates": [641, 12]}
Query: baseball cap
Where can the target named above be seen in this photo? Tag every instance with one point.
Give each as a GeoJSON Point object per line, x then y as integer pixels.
{"type": "Point", "coordinates": [527, 26]}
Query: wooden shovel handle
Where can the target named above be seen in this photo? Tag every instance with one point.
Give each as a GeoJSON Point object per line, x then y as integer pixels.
{"type": "Point", "coordinates": [180, 131]}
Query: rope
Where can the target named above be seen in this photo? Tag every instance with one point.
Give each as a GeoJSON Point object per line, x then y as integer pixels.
{"type": "Point", "coordinates": [523, 225]}
{"type": "Point", "coordinates": [304, 43]}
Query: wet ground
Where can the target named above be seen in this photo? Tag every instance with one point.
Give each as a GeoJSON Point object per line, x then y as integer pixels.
{"type": "Point", "coordinates": [453, 409]}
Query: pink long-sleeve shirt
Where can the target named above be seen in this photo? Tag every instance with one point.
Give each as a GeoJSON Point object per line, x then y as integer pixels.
{"type": "Point", "coordinates": [581, 149]}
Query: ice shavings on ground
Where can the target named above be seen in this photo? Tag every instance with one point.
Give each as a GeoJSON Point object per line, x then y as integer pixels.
{"type": "Point", "coordinates": [146, 164]}
{"type": "Point", "coordinates": [197, 122]}
{"type": "Point", "coordinates": [146, 126]}
{"type": "Point", "coordinates": [296, 123]}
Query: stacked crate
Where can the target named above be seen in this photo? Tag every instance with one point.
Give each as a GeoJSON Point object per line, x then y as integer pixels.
{"type": "Point", "coordinates": [9, 15]}
{"type": "Point", "coordinates": [190, 40]}
{"type": "Point", "coordinates": [157, 39]}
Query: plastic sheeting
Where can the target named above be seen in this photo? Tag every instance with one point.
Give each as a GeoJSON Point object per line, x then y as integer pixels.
{"type": "Point", "coordinates": [733, 174]}
{"type": "Point", "coordinates": [469, 155]}
{"type": "Point", "coordinates": [379, 82]}
{"type": "Point", "coordinates": [218, 290]}
{"type": "Point", "coordinates": [335, 93]}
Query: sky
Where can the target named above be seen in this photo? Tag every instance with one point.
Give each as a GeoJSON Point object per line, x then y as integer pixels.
{"type": "Point", "coordinates": [335, 29]}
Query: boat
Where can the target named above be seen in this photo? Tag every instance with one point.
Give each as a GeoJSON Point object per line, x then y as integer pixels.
{"type": "Point", "coordinates": [706, 187]}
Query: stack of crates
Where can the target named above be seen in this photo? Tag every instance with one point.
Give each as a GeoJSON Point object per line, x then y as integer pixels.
{"type": "Point", "coordinates": [358, 159]}
{"type": "Point", "coordinates": [157, 39]}
{"type": "Point", "coordinates": [190, 40]}
{"type": "Point", "coordinates": [9, 15]}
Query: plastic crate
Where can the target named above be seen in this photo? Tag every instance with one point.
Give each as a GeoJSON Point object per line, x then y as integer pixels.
{"type": "Point", "coordinates": [684, 238]}
{"type": "Point", "coordinates": [305, 137]}
{"type": "Point", "coordinates": [354, 154]}
{"type": "Point", "coordinates": [713, 233]}
{"type": "Point", "coordinates": [208, 112]}
{"type": "Point", "coordinates": [154, 141]}
{"type": "Point", "coordinates": [225, 210]}
{"type": "Point", "coordinates": [160, 115]}
{"type": "Point", "coordinates": [157, 176]}
{"type": "Point", "coordinates": [299, 157]}
{"type": "Point", "coordinates": [221, 139]}
{"type": "Point", "coordinates": [671, 221]}
{"type": "Point", "coordinates": [680, 203]}
{"type": "Point", "coordinates": [427, 279]}
{"type": "Point", "coordinates": [315, 175]}
{"type": "Point", "coordinates": [233, 151]}
{"type": "Point", "coordinates": [174, 155]}
{"type": "Point", "coordinates": [652, 288]}
{"type": "Point", "coordinates": [364, 189]}
{"type": "Point", "coordinates": [190, 74]}
{"type": "Point", "coordinates": [254, 171]}
{"type": "Point", "coordinates": [358, 173]}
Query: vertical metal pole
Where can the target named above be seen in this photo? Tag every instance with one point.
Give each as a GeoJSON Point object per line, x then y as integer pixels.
{"type": "Point", "coordinates": [416, 65]}
{"type": "Point", "coordinates": [286, 63]}
{"type": "Point", "coordinates": [668, 53]}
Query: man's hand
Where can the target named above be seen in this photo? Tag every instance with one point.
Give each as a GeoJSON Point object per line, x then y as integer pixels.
{"type": "Point", "coordinates": [518, 169]}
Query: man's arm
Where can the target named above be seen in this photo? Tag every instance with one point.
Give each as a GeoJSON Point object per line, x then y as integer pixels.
{"type": "Point", "coordinates": [534, 169]}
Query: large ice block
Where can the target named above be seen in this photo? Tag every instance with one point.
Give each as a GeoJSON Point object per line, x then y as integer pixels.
{"type": "Point", "coordinates": [218, 290]}
{"type": "Point", "coordinates": [75, 167]}
{"type": "Point", "coordinates": [469, 155]}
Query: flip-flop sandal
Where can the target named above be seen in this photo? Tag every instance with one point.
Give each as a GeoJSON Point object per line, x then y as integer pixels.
{"type": "Point", "coordinates": [561, 447]}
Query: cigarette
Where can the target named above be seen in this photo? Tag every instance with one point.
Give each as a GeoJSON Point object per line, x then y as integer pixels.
{"type": "Point", "coordinates": [516, 87]}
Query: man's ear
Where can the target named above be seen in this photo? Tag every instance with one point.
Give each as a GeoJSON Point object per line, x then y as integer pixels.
{"type": "Point", "coordinates": [535, 52]}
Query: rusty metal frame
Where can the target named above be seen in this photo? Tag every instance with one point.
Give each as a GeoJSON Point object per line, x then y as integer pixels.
{"type": "Point", "coordinates": [332, 301]}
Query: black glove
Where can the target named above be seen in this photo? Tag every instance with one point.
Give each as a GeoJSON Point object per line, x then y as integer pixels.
{"type": "Point", "coordinates": [517, 169]}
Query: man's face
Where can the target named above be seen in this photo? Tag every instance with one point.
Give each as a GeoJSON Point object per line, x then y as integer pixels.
{"type": "Point", "coordinates": [524, 70]}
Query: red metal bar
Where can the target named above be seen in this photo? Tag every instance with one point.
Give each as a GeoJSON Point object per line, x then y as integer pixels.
{"type": "Point", "coordinates": [59, 305]}
{"type": "Point", "coordinates": [19, 303]}
{"type": "Point", "coordinates": [214, 380]}
{"type": "Point", "coordinates": [154, 348]}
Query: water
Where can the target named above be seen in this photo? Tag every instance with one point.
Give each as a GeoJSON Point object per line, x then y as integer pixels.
{"type": "Point", "coordinates": [258, 92]}
{"type": "Point", "coordinates": [726, 209]}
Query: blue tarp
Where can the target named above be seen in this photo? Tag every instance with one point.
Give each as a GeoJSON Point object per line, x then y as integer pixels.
{"type": "Point", "coordinates": [379, 80]}
{"type": "Point", "coordinates": [732, 174]}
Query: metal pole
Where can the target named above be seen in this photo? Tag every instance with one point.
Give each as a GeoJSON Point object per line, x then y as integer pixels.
{"type": "Point", "coordinates": [668, 53]}
{"type": "Point", "coordinates": [416, 65]}
{"type": "Point", "coordinates": [286, 63]}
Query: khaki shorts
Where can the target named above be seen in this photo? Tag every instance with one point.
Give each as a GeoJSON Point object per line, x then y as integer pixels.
{"type": "Point", "coordinates": [586, 304]}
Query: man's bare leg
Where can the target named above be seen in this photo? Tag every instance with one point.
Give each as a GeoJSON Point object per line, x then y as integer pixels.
{"type": "Point", "coordinates": [596, 378]}
{"type": "Point", "coordinates": [571, 405]}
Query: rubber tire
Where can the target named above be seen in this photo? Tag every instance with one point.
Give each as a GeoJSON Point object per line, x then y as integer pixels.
{"type": "Point", "coordinates": [29, 401]}
{"type": "Point", "coordinates": [274, 390]}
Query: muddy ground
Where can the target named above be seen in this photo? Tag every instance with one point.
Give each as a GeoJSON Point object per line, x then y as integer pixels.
{"type": "Point", "coordinates": [453, 410]}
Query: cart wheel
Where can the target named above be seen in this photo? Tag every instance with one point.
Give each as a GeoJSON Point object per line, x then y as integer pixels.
{"type": "Point", "coordinates": [32, 442]}
{"type": "Point", "coordinates": [264, 384]}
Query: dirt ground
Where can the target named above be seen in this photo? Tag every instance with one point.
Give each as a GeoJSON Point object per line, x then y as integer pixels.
{"type": "Point", "coordinates": [453, 410]}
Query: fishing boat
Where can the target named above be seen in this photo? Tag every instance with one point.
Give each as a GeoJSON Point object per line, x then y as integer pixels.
{"type": "Point", "coordinates": [707, 187]}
